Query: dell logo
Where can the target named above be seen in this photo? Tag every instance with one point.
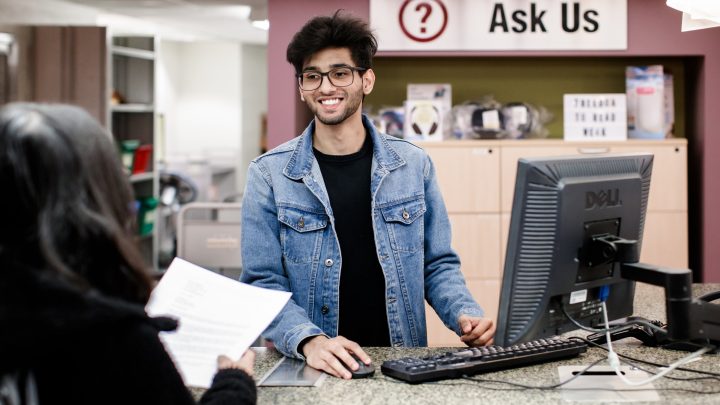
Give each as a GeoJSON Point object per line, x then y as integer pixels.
{"type": "Point", "coordinates": [602, 199]}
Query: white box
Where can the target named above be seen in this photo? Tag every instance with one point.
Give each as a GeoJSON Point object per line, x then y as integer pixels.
{"type": "Point", "coordinates": [441, 95]}
{"type": "Point", "coordinates": [424, 120]}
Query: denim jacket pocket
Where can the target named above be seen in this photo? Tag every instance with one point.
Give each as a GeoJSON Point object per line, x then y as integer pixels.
{"type": "Point", "coordinates": [301, 233]}
{"type": "Point", "coordinates": [405, 231]}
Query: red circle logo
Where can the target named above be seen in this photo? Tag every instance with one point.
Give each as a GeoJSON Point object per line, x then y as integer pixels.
{"type": "Point", "coordinates": [423, 20]}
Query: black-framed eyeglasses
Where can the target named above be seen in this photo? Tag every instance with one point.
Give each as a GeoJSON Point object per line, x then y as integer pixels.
{"type": "Point", "coordinates": [338, 77]}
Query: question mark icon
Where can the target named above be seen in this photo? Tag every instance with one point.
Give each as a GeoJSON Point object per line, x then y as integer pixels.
{"type": "Point", "coordinates": [409, 15]}
{"type": "Point", "coordinates": [428, 11]}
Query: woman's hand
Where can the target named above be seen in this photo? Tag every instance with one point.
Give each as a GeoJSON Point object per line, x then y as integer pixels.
{"type": "Point", "coordinates": [246, 362]}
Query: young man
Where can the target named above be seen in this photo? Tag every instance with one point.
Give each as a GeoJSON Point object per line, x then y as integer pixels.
{"type": "Point", "coordinates": [349, 220]}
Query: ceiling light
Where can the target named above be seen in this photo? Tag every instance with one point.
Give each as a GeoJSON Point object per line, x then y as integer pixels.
{"type": "Point", "coordinates": [261, 24]}
{"type": "Point", "coordinates": [5, 38]}
{"type": "Point", "coordinates": [242, 12]}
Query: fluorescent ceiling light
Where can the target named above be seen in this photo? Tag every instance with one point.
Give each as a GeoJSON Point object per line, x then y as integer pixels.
{"type": "Point", "coordinates": [5, 38]}
{"type": "Point", "coordinates": [261, 24]}
{"type": "Point", "coordinates": [242, 12]}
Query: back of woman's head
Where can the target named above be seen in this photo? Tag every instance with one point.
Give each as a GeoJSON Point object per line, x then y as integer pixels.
{"type": "Point", "coordinates": [66, 203]}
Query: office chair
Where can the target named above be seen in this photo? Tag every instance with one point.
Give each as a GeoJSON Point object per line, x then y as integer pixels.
{"type": "Point", "coordinates": [208, 235]}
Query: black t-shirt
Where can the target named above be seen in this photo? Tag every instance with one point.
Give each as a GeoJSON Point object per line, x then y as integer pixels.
{"type": "Point", "coordinates": [363, 316]}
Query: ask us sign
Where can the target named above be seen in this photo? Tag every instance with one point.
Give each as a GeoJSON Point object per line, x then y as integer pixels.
{"type": "Point", "coordinates": [499, 25]}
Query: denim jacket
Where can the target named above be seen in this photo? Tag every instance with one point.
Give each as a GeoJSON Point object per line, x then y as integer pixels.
{"type": "Point", "coordinates": [289, 242]}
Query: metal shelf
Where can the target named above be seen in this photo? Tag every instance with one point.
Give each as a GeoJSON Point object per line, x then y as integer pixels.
{"type": "Point", "coordinates": [133, 52]}
{"type": "Point", "coordinates": [132, 108]}
{"type": "Point", "coordinates": [142, 177]}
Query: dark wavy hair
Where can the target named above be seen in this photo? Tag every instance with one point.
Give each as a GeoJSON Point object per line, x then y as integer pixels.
{"type": "Point", "coordinates": [336, 31]}
{"type": "Point", "coordinates": [66, 204]}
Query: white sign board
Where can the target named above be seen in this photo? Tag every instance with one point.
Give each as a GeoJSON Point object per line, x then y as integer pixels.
{"type": "Point", "coordinates": [446, 25]}
{"type": "Point", "coordinates": [595, 117]}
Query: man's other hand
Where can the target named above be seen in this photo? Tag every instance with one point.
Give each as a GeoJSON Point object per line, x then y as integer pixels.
{"type": "Point", "coordinates": [476, 331]}
{"type": "Point", "coordinates": [326, 354]}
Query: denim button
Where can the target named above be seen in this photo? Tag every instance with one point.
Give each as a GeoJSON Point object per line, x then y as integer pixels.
{"type": "Point", "coordinates": [324, 309]}
{"type": "Point", "coordinates": [328, 262]}
{"type": "Point", "coordinates": [405, 215]}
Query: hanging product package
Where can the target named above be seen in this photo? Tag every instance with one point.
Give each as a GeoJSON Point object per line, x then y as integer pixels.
{"type": "Point", "coordinates": [645, 87]}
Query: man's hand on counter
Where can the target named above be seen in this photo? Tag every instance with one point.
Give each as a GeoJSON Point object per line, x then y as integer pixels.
{"type": "Point", "coordinates": [329, 354]}
{"type": "Point", "coordinates": [476, 331]}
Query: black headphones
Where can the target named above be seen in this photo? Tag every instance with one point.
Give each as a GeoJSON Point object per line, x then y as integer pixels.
{"type": "Point", "coordinates": [481, 128]}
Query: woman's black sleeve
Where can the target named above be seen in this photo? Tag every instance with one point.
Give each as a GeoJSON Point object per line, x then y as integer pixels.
{"type": "Point", "coordinates": [231, 386]}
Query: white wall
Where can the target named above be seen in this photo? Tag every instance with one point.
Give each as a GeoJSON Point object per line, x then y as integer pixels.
{"type": "Point", "coordinates": [213, 96]}
{"type": "Point", "coordinates": [201, 95]}
{"type": "Point", "coordinates": [46, 12]}
{"type": "Point", "coordinates": [254, 84]}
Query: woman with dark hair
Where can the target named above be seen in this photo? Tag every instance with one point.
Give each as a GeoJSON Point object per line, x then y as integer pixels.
{"type": "Point", "coordinates": [73, 284]}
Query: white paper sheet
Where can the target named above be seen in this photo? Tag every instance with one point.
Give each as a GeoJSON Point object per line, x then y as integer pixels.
{"type": "Point", "coordinates": [217, 315]}
{"type": "Point", "coordinates": [697, 14]}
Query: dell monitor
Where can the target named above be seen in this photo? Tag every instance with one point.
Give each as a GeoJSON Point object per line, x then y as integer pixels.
{"type": "Point", "coordinates": [575, 220]}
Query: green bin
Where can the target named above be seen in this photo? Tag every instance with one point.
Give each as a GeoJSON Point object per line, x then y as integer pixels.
{"type": "Point", "coordinates": [146, 215]}
{"type": "Point", "coordinates": [127, 153]}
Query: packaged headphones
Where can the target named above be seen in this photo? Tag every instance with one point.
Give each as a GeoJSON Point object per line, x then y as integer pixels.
{"type": "Point", "coordinates": [423, 120]}
{"type": "Point", "coordinates": [518, 119]}
{"type": "Point", "coordinates": [489, 119]}
{"type": "Point", "coordinates": [392, 121]}
{"type": "Point", "coordinates": [487, 122]}
{"type": "Point", "coordinates": [478, 120]}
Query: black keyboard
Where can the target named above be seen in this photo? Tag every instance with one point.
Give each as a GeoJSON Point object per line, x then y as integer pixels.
{"type": "Point", "coordinates": [477, 360]}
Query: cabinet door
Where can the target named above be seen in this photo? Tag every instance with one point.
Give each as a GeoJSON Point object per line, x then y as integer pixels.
{"type": "Point", "coordinates": [665, 240]}
{"type": "Point", "coordinates": [467, 175]}
{"type": "Point", "coordinates": [504, 233]}
{"type": "Point", "coordinates": [668, 184]}
{"type": "Point", "coordinates": [475, 238]}
{"type": "Point", "coordinates": [485, 292]}
{"type": "Point", "coordinates": [510, 155]}
{"type": "Point", "coordinates": [71, 67]}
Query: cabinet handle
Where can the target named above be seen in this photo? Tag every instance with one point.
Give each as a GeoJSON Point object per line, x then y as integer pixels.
{"type": "Point", "coordinates": [593, 151]}
{"type": "Point", "coordinates": [482, 151]}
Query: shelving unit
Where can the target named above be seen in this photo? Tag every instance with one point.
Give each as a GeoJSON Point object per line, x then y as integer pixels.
{"type": "Point", "coordinates": [131, 116]}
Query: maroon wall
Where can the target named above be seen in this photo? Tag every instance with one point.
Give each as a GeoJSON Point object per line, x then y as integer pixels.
{"type": "Point", "coordinates": [653, 30]}
{"type": "Point", "coordinates": [287, 115]}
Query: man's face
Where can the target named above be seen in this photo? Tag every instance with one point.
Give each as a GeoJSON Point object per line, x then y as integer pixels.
{"type": "Point", "coordinates": [331, 104]}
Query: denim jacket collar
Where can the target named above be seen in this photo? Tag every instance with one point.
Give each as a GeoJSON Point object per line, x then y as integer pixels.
{"type": "Point", "coordinates": [300, 163]}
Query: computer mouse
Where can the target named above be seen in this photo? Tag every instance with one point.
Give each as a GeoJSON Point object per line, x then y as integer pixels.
{"type": "Point", "coordinates": [363, 371]}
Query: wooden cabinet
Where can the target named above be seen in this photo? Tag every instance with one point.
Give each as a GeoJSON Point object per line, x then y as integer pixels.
{"type": "Point", "coordinates": [477, 179]}
{"type": "Point", "coordinates": [132, 121]}
{"type": "Point", "coordinates": [68, 65]}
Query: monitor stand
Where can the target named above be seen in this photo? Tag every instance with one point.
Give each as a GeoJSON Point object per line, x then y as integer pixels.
{"type": "Point", "coordinates": [648, 337]}
{"type": "Point", "coordinates": [690, 323]}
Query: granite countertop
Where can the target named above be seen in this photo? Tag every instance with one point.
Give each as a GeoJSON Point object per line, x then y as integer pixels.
{"type": "Point", "coordinates": [380, 389]}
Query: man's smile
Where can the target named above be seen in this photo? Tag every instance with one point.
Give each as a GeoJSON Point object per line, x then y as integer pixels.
{"type": "Point", "coordinates": [330, 101]}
